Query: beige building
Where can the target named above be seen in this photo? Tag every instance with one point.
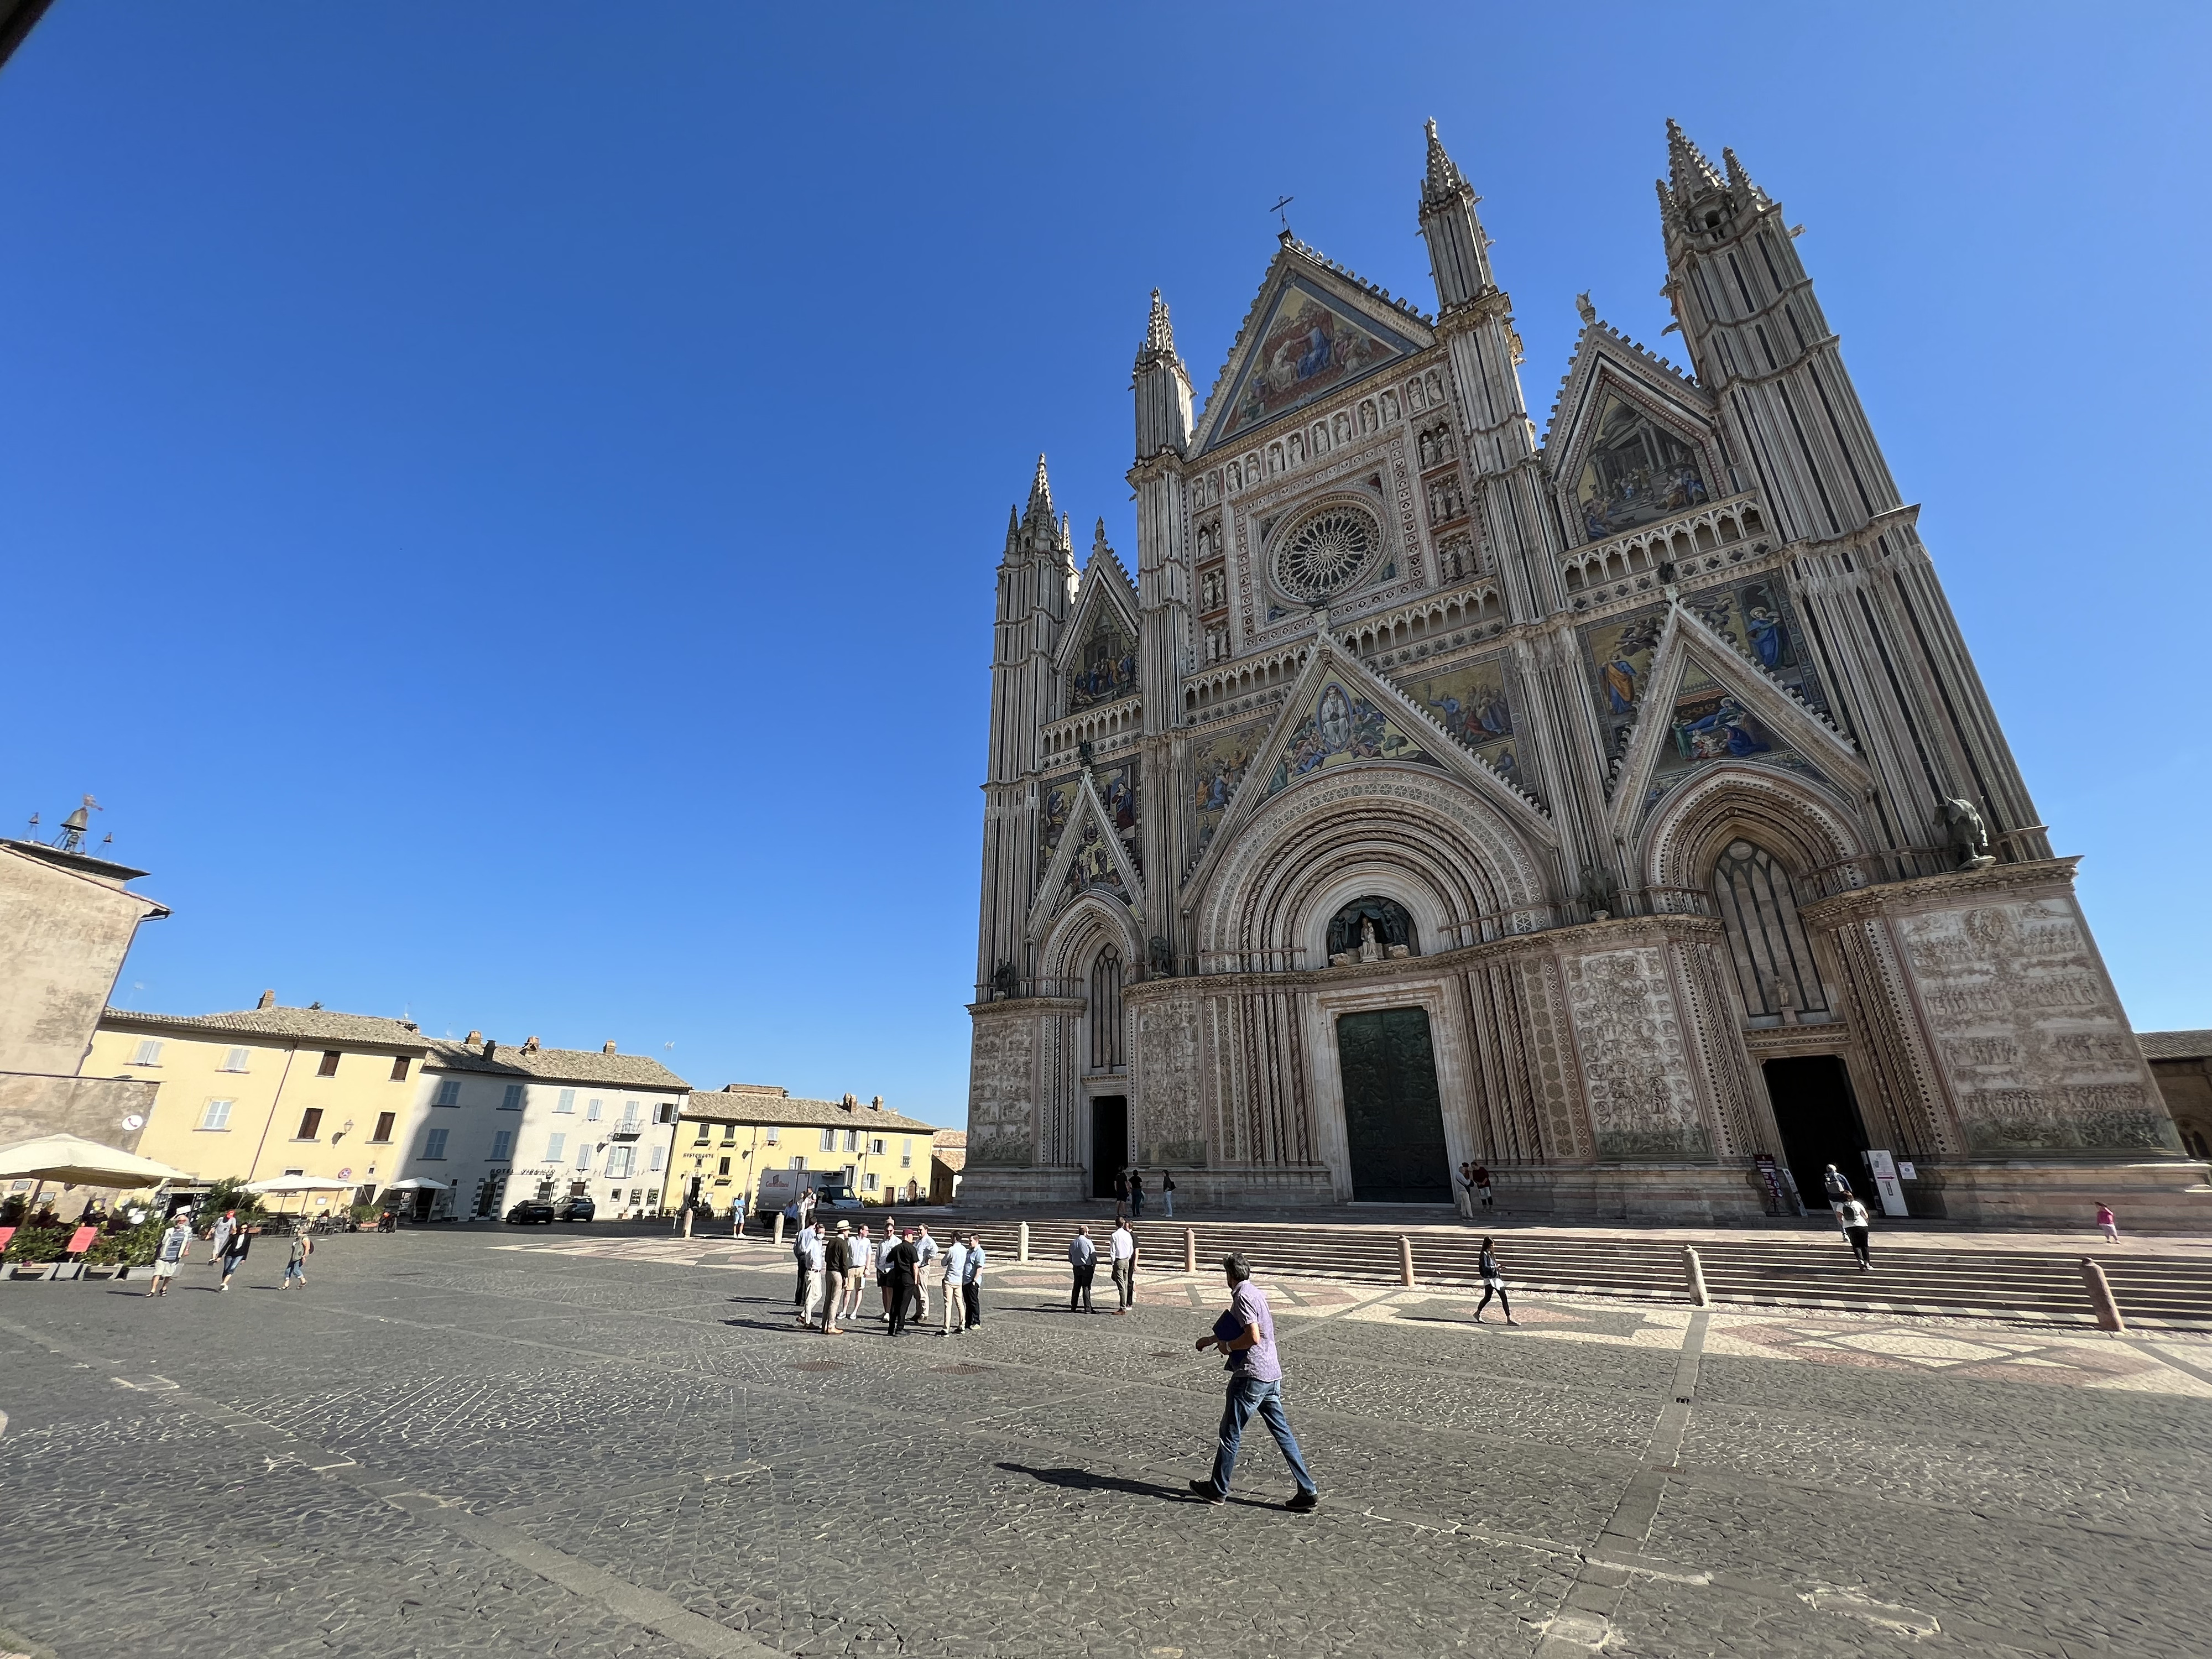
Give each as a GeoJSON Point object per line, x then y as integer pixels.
{"type": "Point", "coordinates": [2182, 1063]}
{"type": "Point", "coordinates": [269, 1090]}
{"type": "Point", "coordinates": [66, 922]}
{"type": "Point", "coordinates": [496, 1122]}
{"type": "Point", "coordinates": [727, 1137]}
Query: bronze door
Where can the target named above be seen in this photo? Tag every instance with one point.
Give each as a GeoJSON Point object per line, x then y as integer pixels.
{"type": "Point", "coordinates": [1393, 1120]}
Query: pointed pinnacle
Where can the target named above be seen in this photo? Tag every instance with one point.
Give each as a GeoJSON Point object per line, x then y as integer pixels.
{"type": "Point", "coordinates": [1685, 163]}
{"type": "Point", "coordinates": [1040, 495]}
{"type": "Point", "coordinates": [1098, 540]}
{"type": "Point", "coordinates": [1013, 526]}
{"type": "Point", "coordinates": [1739, 181]}
{"type": "Point", "coordinates": [1442, 178]}
{"type": "Point", "coordinates": [1159, 345]}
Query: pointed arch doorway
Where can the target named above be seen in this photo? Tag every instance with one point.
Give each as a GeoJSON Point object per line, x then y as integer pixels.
{"type": "Point", "coordinates": [1394, 1121]}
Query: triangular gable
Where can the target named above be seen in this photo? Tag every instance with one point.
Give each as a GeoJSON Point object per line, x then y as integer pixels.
{"type": "Point", "coordinates": [1339, 713]}
{"type": "Point", "coordinates": [1313, 332]}
{"type": "Point", "coordinates": [1631, 440]}
{"type": "Point", "coordinates": [1091, 857]}
{"type": "Point", "coordinates": [1097, 652]}
{"type": "Point", "coordinates": [1705, 705]}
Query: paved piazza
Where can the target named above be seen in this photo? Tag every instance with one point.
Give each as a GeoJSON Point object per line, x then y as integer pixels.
{"type": "Point", "coordinates": [492, 1443]}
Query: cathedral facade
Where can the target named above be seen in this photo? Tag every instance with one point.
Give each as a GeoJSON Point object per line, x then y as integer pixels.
{"type": "Point", "coordinates": [1616, 805]}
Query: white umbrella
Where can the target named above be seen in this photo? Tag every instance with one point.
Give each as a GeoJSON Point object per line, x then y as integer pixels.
{"type": "Point", "coordinates": [418, 1184]}
{"type": "Point", "coordinates": [80, 1163]}
{"type": "Point", "coordinates": [297, 1183]}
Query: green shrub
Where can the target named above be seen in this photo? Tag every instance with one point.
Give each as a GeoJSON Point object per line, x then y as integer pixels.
{"type": "Point", "coordinates": [133, 1247]}
{"type": "Point", "coordinates": [39, 1244]}
{"type": "Point", "coordinates": [226, 1194]}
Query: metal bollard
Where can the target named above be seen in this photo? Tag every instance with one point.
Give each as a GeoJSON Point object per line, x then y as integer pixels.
{"type": "Point", "coordinates": [688, 1214]}
{"type": "Point", "coordinates": [2100, 1296]}
{"type": "Point", "coordinates": [1024, 1254]}
{"type": "Point", "coordinates": [1404, 1259]}
{"type": "Point", "coordinates": [779, 1226]}
{"type": "Point", "coordinates": [1190, 1250]}
{"type": "Point", "coordinates": [1694, 1271]}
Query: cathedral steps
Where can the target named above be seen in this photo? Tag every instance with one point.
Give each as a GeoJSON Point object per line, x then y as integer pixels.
{"type": "Point", "coordinates": [1807, 1271]}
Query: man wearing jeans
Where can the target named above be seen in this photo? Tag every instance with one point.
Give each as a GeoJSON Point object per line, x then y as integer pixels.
{"type": "Point", "coordinates": [1246, 1334]}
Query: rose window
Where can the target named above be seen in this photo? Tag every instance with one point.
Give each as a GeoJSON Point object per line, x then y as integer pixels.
{"type": "Point", "coordinates": [1327, 553]}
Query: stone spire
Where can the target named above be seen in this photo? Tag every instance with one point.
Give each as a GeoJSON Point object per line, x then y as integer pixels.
{"type": "Point", "coordinates": [1162, 388]}
{"type": "Point", "coordinates": [1041, 513]}
{"type": "Point", "coordinates": [1739, 181]}
{"type": "Point", "coordinates": [1159, 337]}
{"type": "Point", "coordinates": [1459, 253]}
{"type": "Point", "coordinates": [1444, 180]}
{"type": "Point", "coordinates": [1686, 166]}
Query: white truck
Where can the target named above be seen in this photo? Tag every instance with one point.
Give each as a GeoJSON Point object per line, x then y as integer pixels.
{"type": "Point", "coordinates": [780, 1188]}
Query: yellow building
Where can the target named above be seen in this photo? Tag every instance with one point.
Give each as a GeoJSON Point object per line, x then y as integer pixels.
{"type": "Point", "coordinates": [725, 1139]}
{"type": "Point", "coordinates": [269, 1091]}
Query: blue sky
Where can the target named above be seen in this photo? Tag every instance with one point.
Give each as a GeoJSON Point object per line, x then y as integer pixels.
{"type": "Point", "coordinates": [500, 501]}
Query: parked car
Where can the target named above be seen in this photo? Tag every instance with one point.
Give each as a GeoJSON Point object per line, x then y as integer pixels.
{"type": "Point", "coordinates": [575, 1209]}
{"type": "Point", "coordinates": [530, 1212]}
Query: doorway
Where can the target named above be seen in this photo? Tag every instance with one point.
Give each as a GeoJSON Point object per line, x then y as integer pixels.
{"type": "Point", "coordinates": [1393, 1120]}
{"type": "Point", "coordinates": [1109, 1142]}
{"type": "Point", "coordinates": [1818, 1119]}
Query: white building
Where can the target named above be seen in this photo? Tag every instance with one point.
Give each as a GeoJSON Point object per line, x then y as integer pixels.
{"type": "Point", "coordinates": [495, 1123]}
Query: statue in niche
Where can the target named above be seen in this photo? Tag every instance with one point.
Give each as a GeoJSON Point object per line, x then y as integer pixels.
{"type": "Point", "coordinates": [1004, 982]}
{"type": "Point", "coordinates": [1966, 835]}
{"type": "Point", "coordinates": [1369, 930]}
{"type": "Point", "coordinates": [1162, 961]}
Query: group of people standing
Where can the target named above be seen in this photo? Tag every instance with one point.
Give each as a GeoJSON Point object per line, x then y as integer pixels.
{"type": "Point", "coordinates": [835, 1266]}
{"type": "Point", "coordinates": [1121, 1258]}
{"type": "Point", "coordinates": [1129, 1193]}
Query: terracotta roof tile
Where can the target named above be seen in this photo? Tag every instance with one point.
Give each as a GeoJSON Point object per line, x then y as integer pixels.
{"type": "Point", "coordinates": [2176, 1045]}
{"type": "Point", "coordinates": [750, 1105]}
{"type": "Point", "coordinates": [553, 1065]}
{"type": "Point", "coordinates": [317, 1025]}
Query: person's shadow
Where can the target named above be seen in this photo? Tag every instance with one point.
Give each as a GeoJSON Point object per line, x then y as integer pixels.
{"type": "Point", "coordinates": [1084, 1480]}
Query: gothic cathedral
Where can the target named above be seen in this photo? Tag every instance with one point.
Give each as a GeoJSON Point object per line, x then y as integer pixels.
{"type": "Point", "coordinates": [1616, 806]}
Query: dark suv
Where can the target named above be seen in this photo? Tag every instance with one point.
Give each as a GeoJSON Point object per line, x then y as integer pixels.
{"type": "Point", "coordinates": [530, 1212]}
{"type": "Point", "coordinates": [575, 1209]}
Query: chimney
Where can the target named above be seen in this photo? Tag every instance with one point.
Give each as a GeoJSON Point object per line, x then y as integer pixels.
{"type": "Point", "coordinates": [474, 1037]}
{"type": "Point", "coordinates": [490, 1048]}
{"type": "Point", "coordinates": [608, 1046]}
{"type": "Point", "coordinates": [268, 999]}
{"type": "Point", "coordinates": [878, 1102]}
{"type": "Point", "coordinates": [530, 1044]}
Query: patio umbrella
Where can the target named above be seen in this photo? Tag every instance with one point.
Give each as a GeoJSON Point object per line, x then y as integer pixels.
{"type": "Point", "coordinates": [77, 1162]}
{"type": "Point", "coordinates": [418, 1184]}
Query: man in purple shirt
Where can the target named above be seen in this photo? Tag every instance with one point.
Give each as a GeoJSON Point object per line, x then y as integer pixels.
{"type": "Point", "coordinates": [1246, 1335]}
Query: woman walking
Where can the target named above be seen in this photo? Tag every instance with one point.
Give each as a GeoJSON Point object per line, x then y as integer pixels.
{"type": "Point", "coordinates": [1493, 1283]}
{"type": "Point", "coordinates": [1167, 1194]}
{"type": "Point", "coordinates": [233, 1252]}
{"type": "Point", "coordinates": [1851, 1217]}
{"type": "Point", "coordinates": [295, 1263]}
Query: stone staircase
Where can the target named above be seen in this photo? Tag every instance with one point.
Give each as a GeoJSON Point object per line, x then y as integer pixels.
{"type": "Point", "coordinates": [1808, 1270]}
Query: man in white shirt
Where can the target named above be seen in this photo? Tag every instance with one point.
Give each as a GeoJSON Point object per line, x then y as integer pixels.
{"type": "Point", "coordinates": [956, 1270]}
{"type": "Point", "coordinates": [863, 1274]}
{"type": "Point", "coordinates": [814, 1252]}
{"type": "Point", "coordinates": [1123, 1245]}
{"type": "Point", "coordinates": [925, 1249]}
{"type": "Point", "coordinates": [1083, 1257]}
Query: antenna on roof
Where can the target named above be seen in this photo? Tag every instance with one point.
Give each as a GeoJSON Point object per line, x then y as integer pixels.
{"type": "Point", "coordinates": [1282, 202]}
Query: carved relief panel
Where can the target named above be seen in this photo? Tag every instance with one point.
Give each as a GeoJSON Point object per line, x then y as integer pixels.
{"type": "Point", "coordinates": [1001, 1091]}
{"type": "Point", "coordinates": [2029, 1033]}
{"type": "Point", "coordinates": [1636, 1069]}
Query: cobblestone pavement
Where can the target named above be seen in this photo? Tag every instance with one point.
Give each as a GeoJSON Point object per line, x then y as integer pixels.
{"type": "Point", "coordinates": [479, 1443]}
